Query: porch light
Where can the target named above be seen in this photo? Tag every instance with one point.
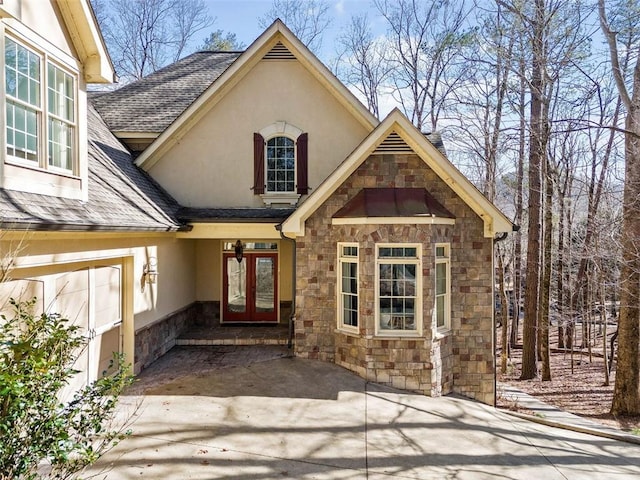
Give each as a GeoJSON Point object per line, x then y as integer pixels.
{"type": "Point", "coordinates": [239, 249]}
{"type": "Point", "coordinates": [150, 271]}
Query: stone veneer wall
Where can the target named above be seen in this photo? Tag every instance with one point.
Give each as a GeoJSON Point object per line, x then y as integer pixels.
{"type": "Point", "coordinates": [461, 360]}
{"type": "Point", "coordinates": [154, 340]}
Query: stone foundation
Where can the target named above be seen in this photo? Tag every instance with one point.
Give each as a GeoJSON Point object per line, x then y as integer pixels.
{"type": "Point", "coordinates": [156, 339]}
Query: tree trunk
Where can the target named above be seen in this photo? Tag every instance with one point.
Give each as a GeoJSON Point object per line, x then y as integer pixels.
{"type": "Point", "coordinates": [537, 153]}
{"type": "Point", "coordinates": [562, 193]}
{"type": "Point", "coordinates": [504, 311]}
{"type": "Point", "coordinates": [626, 393]}
{"type": "Point", "coordinates": [517, 254]}
{"type": "Point", "coordinates": [546, 279]}
{"type": "Point", "coordinates": [603, 319]}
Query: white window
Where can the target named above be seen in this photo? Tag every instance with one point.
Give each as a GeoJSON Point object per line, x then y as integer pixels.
{"type": "Point", "coordinates": [61, 126]}
{"type": "Point", "coordinates": [348, 286]}
{"type": "Point", "coordinates": [398, 289]}
{"type": "Point", "coordinates": [281, 165]}
{"type": "Point", "coordinates": [36, 121]}
{"type": "Point", "coordinates": [442, 309]}
{"type": "Point", "coordinates": [22, 87]}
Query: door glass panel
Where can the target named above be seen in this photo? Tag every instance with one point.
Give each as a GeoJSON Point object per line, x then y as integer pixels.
{"type": "Point", "coordinates": [265, 285]}
{"type": "Point", "coordinates": [236, 285]}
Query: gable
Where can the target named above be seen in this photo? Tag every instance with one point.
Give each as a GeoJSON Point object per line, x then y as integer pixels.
{"type": "Point", "coordinates": [211, 164]}
{"type": "Point", "coordinates": [266, 48]}
{"type": "Point", "coordinates": [396, 134]}
{"type": "Point", "coordinates": [87, 39]}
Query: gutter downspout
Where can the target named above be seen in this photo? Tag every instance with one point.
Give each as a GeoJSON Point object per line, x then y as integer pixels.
{"type": "Point", "coordinates": [292, 317]}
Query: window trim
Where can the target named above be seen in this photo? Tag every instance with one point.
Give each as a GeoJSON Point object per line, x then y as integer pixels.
{"type": "Point", "coordinates": [42, 163]}
{"type": "Point", "coordinates": [301, 167]}
{"type": "Point", "coordinates": [72, 124]}
{"type": "Point", "coordinates": [446, 260]}
{"type": "Point", "coordinates": [417, 261]}
{"type": "Point", "coordinates": [341, 259]}
{"type": "Point", "coordinates": [266, 166]}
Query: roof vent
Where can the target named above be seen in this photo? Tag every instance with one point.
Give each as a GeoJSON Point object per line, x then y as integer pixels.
{"type": "Point", "coordinates": [279, 52]}
{"type": "Point", "coordinates": [393, 144]}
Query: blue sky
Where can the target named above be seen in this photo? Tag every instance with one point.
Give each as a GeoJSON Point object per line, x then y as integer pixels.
{"type": "Point", "coordinates": [241, 17]}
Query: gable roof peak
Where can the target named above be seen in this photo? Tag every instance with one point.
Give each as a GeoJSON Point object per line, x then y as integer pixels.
{"type": "Point", "coordinates": [245, 62]}
{"type": "Point", "coordinates": [398, 126]}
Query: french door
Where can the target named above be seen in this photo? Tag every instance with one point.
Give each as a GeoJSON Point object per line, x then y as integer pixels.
{"type": "Point", "coordinates": [250, 288]}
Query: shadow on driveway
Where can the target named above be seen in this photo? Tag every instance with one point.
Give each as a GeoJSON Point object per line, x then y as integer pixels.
{"type": "Point", "coordinates": [254, 413]}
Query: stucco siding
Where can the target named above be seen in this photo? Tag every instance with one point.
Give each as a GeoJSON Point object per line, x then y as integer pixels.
{"type": "Point", "coordinates": [212, 163]}
{"type": "Point", "coordinates": [175, 288]}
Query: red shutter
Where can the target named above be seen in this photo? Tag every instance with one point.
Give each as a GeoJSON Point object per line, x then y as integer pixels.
{"type": "Point", "coordinates": [258, 164]}
{"type": "Point", "coordinates": [303, 182]}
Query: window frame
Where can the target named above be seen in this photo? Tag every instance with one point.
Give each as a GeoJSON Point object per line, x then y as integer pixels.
{"type": "Point", "coordinates": [266, 165]}
{"type": "Point", "coordinates": [439, 260]}
{"type": "Point", "coordinates": [341, 260]}
{"type": "Point", "coordinates": [71, 124]}
{"type": "Point", "coordinates": [418, 293]}
{"type": "Point", "coordinates": [42, 160]}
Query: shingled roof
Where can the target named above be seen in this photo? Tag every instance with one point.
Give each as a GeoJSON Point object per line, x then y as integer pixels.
{"type": "Point", "coordinates": [154, 102]}
{"type": "Point", "coordinates": [255, 215]}
{"type": "Point", "coordinates": [121, 196]}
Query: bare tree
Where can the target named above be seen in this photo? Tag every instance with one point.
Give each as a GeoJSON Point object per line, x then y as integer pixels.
{"type": "Point", "coordinates": [538, 138]}
{"type": "Point", "coordinates": [480, 102]}
{"type": "Point", "coordinates": [626, 395]}
{"type": "Point", "coordinates": [361, 62]}
{"type": "Point", "coordinates": [307, 19]}
{"type": "Point", "coordinates": [427, 39]}
{"type": "Point", "coordinates": [145, 35]}
{"type": "Point", "coordinates": [552, 42]}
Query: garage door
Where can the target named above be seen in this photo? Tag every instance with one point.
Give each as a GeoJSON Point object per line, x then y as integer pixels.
{"type": "Point", "coordinates": [90, 298]}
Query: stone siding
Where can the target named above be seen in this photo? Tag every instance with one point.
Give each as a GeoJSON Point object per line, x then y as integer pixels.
{"type": "Point", "coordinates": [458, 361]}
{"type": "Point", "coordinates": [156, 339]}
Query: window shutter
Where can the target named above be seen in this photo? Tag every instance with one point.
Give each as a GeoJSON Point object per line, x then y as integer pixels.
{"type": "Point", "coordinates": [302, 176]}
{"type": "Point", "coordinates": [258, 164]}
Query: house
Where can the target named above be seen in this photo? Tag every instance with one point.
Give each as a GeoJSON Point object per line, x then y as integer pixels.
{"type": "Point", "coordinates": [251, 185]}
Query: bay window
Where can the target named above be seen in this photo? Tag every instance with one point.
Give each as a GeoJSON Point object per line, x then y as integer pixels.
{"type": "Point", "coordinates": [442, 309]}
{"type": "Point", "coordinates": [398, 289]}
{"type": "Point", "coordinates": [348, 286]}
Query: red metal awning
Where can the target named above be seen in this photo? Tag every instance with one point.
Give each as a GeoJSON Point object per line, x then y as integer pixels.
{"type": "Point", "coordinates": [393, 202]}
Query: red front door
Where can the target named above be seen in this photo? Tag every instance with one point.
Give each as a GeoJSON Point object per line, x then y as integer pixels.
{"type": "Point", "coordinates": [250, 288]}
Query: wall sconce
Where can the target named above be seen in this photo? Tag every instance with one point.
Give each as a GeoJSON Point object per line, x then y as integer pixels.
{"type": "Point", "coordinates": [239, 249]}
{"type": "Point", "coordinates": [150, 271]}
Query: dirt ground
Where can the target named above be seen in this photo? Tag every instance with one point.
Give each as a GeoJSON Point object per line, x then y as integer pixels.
{"type": "Point", "coordinates": [577, 384]}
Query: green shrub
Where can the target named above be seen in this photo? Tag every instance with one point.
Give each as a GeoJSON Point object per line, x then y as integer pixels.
{"type": "Point", "coordinates": [42, 437]}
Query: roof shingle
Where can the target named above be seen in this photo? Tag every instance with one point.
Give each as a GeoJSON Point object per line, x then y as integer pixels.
{"type": "Point", "coordinates": [121, 196]}
{"type": "Point", "coordinates": [154, 102]}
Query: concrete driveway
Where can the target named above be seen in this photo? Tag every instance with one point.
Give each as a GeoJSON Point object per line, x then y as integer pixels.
{"type": "Point", "coordinates": [251, 413]}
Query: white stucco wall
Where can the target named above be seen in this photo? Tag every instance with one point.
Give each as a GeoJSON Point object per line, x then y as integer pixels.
{"type": "Point", "coordinates": [44, 253]}
{"type": "Point", "coordinates": [212, 164]}
{"type": "Point", "coordinates": [42, 17]}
